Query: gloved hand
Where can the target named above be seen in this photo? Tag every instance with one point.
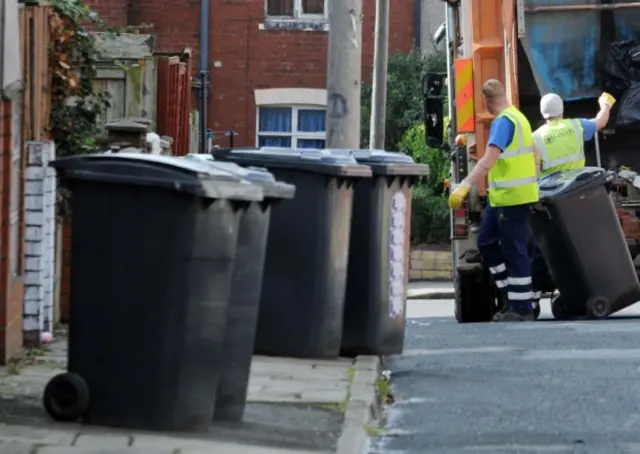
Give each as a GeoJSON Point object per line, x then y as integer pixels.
{"type": "Point", "coordinates": [606, 99]}
{"type": "Point", "coordinates": [457, 196]}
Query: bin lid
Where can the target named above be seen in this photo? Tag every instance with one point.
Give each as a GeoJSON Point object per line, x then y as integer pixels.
{"type": "Point", "coordinates": [169, 172]}
{"type": "Point", "coordinates": [385, 162]}
{"type": "Point", "coordinates": [562, 183]}
{"type": "Point", "coordinates": [260, 176]}
{"type": "Point", "coordinates": [307, 160]}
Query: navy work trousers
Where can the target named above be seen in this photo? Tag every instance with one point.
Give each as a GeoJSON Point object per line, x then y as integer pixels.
{"type": "Point", "coordinates": [504, 243]}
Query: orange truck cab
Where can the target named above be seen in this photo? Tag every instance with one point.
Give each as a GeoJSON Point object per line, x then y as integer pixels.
{"type": "Point", "coordinates": [534, 47]}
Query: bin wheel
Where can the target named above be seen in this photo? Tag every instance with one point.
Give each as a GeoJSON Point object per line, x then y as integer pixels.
{"type": "Point", "coordinates": [66, 397]}
{"type": "Point", "coordinates": [560, 309]}
{"type": "Point", "coordinates": [598, 307]}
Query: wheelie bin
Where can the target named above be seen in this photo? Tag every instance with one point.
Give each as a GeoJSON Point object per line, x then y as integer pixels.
{"type": "Point", "coordinates": [379, 253]}
{"type": "Point", "coordinates": [149, 289]}
{"type": "Point", "coordinates": [305, 275]}
{"type": "Point", "coordinates": [246, 286]}
{"type": "Point", "coordinates": [577, 229]}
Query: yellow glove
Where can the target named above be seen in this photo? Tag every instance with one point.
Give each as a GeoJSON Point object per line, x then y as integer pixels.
{"type": "Point", "coordinates": [606, 98]}
{"type": "Point", "coordinates": [457, 196]}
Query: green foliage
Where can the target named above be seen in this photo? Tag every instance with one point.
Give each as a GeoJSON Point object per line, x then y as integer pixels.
{"type": "Point", "coordinates": [74, 52]}
{"type": "Point", "coordinates": [404, 94]}
{"type": "Point", "coordinates": [413, 144]}
{"type": "Point", "coordinates": [430, 219]}
{"type": "Point", "coordinates": [430, 212]}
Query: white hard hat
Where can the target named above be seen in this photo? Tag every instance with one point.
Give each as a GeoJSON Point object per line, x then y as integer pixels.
{"type": "Point", "coordinates": [551, 105]}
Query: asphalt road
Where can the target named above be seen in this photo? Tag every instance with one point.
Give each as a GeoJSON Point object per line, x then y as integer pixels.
{"type": "Point", "coordinates": [543, 387]}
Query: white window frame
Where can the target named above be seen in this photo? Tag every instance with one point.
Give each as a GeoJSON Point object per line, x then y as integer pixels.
{"type": "Point", "coordinates": [298, 14]}
{"type": "Point", "coordinates": [294, 134]}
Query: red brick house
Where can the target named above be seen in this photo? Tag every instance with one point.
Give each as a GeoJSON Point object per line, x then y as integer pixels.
{"type": "Point", "coordinates": [267, 58]}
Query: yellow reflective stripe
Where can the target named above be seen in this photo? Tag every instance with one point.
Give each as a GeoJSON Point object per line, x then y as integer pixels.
{"type": "Point", "coordinates": [506, 154]}
{"type": "Point", "coordinates": [565, 160]}
{"type": "Point", "coordinates": [513, 183]}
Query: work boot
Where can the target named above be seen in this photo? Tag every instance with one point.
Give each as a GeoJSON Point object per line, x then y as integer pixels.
{"type": "Point", "coordinates": [511, 315]}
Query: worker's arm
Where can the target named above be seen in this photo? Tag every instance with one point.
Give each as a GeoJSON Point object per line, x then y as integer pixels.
{"type": "Point", "coordinates": [484, 165]}
{"type": "Point", "coordinates": [606, 102]}
{"type": "Point", "coordinates": [602, 118]}
{"type": "Point", "coordinates": [500, 136]}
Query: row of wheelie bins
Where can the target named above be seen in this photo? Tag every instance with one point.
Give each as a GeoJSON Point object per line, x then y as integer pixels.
{"type": "Point", "coordinates": [184, 267]}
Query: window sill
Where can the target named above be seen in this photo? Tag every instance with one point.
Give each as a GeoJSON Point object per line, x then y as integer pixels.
{"type": "Point", "coordinates": [308, 25]}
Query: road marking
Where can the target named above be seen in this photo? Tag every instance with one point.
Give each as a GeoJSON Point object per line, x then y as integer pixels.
{"type": "Point", "coordinates": [596, 353]}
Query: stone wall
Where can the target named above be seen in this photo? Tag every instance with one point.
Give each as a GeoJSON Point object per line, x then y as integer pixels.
{"type": "Point", "coordinates": [430, 263]}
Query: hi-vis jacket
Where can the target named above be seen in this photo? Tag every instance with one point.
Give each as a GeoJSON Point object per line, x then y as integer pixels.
{"type": "Point", "coordinates": [513, 179]}
{"type": "Point", "coordinates": [561, 145]}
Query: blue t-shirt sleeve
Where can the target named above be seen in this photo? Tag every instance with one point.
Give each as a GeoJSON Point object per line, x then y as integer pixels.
{"type": "Point", "coordinates": [589, 128]}
{"type": "Point", "coordinates": [501, 133]}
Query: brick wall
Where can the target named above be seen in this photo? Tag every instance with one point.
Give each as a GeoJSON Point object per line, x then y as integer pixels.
{"type": "Point", "coordinates": [11, 285]}
{"type": "Point", "coordinates": [244, 56]}
{"type": "Point", "coordinates": [430, 264]}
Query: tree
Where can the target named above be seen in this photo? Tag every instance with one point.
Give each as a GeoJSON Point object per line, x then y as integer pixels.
{"type": "Point", "coordinates": [404, 94]}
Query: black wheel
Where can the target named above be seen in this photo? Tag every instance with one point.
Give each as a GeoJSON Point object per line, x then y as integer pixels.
{"type": "Point", "coordinates": [475, 300]}
{"type": "Point", "coordinates": [560, 309]}
{"type": "Point", "coordinates": [66, 397]}
{"type": "Point", "coordinates": [598, 307]}
{"type": "Point", "coordinates": [536, 311]}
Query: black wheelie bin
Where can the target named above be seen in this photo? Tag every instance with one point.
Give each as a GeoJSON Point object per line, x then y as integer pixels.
{"type": "Point", "coordinates": [246, 286]}
{"type": "Point", "coordinates": [149, 289]}
{"type": "Point", "coordinates": [379, 254]}
{"type": "Point", "coordinates": [577, 229]}
{"type": "Point", "coordinates": [305, 275]}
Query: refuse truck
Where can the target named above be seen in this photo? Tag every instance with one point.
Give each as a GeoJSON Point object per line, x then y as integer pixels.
{"type": "Point", "coordinates": [574, 48]}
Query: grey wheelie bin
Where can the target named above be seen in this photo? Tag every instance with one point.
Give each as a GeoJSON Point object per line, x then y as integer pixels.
{"type": "Point", "coordinates": [149, 289]}
{"type": "Point", "coordinates": [379, 253]}
{"type": "Point", "coordinates": [577, 229]}
{"type": "Point", "coordinates": [242, 314]}
{"type": "Point", "coordinates": [305, 275]}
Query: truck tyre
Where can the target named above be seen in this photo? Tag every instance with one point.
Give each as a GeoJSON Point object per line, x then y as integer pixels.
{"type": "Point", "coordinates": [475, 300]}
{"type": "Point", "coordinates": [560, 309]}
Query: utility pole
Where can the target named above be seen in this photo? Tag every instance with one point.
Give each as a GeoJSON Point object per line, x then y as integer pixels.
{"type": "Point", "coordinates": [380, 63]}
{"type": "Point", "coordinates": [344, 74]}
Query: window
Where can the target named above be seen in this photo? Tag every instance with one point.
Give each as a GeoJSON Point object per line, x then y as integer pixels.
{"type": "Point", "coordinates": [295, 127]}
{"type": "Point", "coordinates": [297, 9]}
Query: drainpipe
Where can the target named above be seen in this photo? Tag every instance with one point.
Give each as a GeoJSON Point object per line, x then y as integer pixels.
{"type": "Point", "coordinates": [417, 24]}
{"type": "Point", "coordinates": [204, 73]}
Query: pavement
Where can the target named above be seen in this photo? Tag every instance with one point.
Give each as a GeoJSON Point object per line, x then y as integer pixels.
{"type": "Point", "coordinates": [539, 387]}
{"type": "Point", "coordinates": [430, 290]}
{"type": "Point", "coordinates": [295, 407]}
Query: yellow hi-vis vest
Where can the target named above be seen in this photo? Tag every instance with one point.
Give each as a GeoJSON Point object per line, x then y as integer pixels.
{"type": "Point", "coordinates": [513, 180]}
{"type": "Point", "coordinates": [561, 145]}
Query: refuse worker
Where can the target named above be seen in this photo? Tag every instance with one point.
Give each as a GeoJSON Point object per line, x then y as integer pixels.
{"type": "Point", "coordinates": [510, 164]}
{"type": "Point", "coordinates": [559, 145]}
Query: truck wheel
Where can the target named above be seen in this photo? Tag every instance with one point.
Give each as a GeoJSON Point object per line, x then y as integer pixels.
{"type": "Point", "coordinates": [66, 397]}
{"type": "Point", "coordinates": [598, 307]}
{"type": "Point", "coordinates": [536, 311]}
{"type": "Point", "coordinates": [475, 300]}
